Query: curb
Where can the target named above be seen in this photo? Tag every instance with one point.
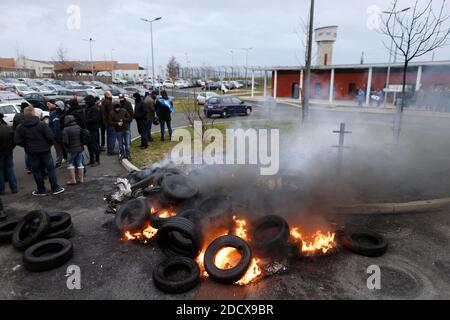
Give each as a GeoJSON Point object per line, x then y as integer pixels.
{"type": "Point", "coordinates": [394, 208]}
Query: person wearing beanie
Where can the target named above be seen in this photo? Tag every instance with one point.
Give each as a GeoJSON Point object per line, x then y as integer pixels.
{"type": "Point", "coordinates": [93, 123]}
{"type": "Point", "coordinates": [57, 110]}
{"type": "Point", "coordinates": [141, 116]}
{"type": "Point", "coordinates": [72, 139]}
{"type": "Point", "coordinates": [6, 157]}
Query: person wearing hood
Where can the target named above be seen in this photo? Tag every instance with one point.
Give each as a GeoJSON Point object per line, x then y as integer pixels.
{"type": "Point", "coordinates": [72, 139]}
{"type": "Point", "coordinates": [18, 119]}
{"type": "Point", "coordinates": [93, 123]}
{"type": "Point", "coordinates": [127, 106]}
{"type": "Point", "coordinates": [74, 109]}
{"type": "Point", "coordinates": [141, 116]}
{"type": "Point", "coordinates": [36, 138]}
{"type": "Point", "coordinates": [107, 109]}
{"type": "Point", "coordinates": [57, 110]}
{"type": "Point", "coordinates": [6, 157]}
{"type": "Point", "coordinates": [119, 119]}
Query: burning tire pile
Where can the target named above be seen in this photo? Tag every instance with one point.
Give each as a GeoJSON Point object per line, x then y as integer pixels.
{"type": "Point", "coordinates": [202, 235]}
{"type": "Point", "coordinates": [42, 237]}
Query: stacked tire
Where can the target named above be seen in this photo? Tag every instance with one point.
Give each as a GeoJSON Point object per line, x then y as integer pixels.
{"type": "Point", "coordinates": [43, 237]}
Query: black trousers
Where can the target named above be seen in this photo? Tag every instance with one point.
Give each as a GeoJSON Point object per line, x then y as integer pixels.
{"type": "Point", "coordinates": [142, 126]}
{"type": "Point", "coordinates": [94, 145]}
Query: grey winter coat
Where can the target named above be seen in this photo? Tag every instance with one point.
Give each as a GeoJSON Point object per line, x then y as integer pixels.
{"type": "Point", "coordinates": [72, 135]}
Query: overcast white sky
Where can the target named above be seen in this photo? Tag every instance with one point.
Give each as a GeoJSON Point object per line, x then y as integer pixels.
{"type": "Point", "coordinates": [199, 31]}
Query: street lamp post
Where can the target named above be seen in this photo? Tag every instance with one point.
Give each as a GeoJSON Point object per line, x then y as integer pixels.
{"type": "Point", "coordinates": [246, 65]}
{"type": "Point", "coordinates": [388, 77]}
{"type": "Point", "coordinates": [112, 65]}
{"type": "Point", "coordinates": [90, 40]}
{"type": "Point", "coordinates": [150, 21]}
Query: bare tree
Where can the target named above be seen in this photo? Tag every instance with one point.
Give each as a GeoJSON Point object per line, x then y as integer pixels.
{"type": "Point", "coordinates": [61, 58]}
{"type": "Point", "coordinates": [193, 111]}
{"type": "Point", "coordinates": [173, 68]}
{"type": "Point", "coordinates": [415, 32]}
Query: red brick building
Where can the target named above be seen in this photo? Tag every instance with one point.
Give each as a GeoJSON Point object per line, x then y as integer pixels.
{"type": "Point", "coordinates": [341, 82]}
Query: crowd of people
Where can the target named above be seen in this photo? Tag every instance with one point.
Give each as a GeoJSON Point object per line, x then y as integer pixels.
{"type": "Point", "coordinates": [73, 127]}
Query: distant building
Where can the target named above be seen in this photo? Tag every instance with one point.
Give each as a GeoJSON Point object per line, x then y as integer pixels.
{"type": "Point", "coordinates": [341, 82]}
{"type": "Point", "coordinates": [8, 69]}
{"type": "Point", "coordinates": [42, 69]}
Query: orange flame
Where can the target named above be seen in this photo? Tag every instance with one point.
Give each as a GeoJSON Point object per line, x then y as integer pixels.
{"type": "Point", "coordinates": [318, 242]}
{"type": "Point", "coordinates": [241, 228]}
{"type": "Point", "coordinates": [147, 234]}
{"type": "Point", "coordinates": [166, 214]}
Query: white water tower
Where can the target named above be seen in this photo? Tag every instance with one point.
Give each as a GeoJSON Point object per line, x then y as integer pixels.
{"type": "Point", "coordinates": [325, 38]}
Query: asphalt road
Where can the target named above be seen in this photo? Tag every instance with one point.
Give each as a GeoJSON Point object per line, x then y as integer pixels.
{"type": "Point", "coordinates": [416, 266]}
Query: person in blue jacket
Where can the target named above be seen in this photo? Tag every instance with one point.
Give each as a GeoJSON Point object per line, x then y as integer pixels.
{"type": "Point", "coordinates": [163, 109]}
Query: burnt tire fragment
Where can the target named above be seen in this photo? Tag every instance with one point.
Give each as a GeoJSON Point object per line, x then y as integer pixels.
{"type": "Point", "coordinates": [47, 255]}
{"type": "Point", "coordinates": [7, 230]}
{"type": "Point", "coordinates": [189, 281]}
{"type": "Point", "coordinates": [237, 272]}
{"type": "Point", "coordinates": [31, 229]}
{"type": "Point", "coordinates": [363, 242]}
{"type": "Point", "coordinates": [187, 229]}
{"type": "Point", "coordinates": [156, 221]}
{"type": "Point", "coordinates": [133, 215]}
{"type": "Point", "coordinates": [59, 221]}
{"type": "Point", "coordinates": [269, 234]}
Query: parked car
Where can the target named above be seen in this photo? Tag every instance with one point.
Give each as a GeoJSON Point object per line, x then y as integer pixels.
{"type": "Point", "coordinates": [168, 84]}
{"type": "Point", "coordinates": [204, 96]}
{"type": "Point", "coordinates": [131, 90]}
{"type": "Point", "coordinates": [213, 86]}
{"type": "Point", "coordinates": [119, 81]}
{"type": "Point", "coordinates": [38, 100]}
{"type": "Point", "coordinates": [226, 106]}
{"type": "Point", "coordinates": [9, 110]}
{"type": "Point", "coordinates": [19, 89]}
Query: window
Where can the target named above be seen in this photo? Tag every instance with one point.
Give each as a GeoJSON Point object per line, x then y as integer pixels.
{"type": "Point", "coordinates": [227, 101]}
{"type": "Point", "coordinates": [236, 100]}
{"type": "Point", "coordinates": [9, 109]}
{"type": "Point", "coordinates": [214, 101]}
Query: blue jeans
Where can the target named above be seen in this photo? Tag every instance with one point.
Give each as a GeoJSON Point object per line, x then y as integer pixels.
{"type": "Point", "coordinates": [110, 139]}
{"type": "Point", "coordinates": [27, 161]}
{"type": "Point", "coordinates": [75, 160]}
{"type": "Point", "coordinates": [7, 167]}
{"type": "Point", "coordinates": [39, 163]}
{"type": "Point", "coordinates": [163, 129]}
{"type": "Point", "coordinates": [123, 138]}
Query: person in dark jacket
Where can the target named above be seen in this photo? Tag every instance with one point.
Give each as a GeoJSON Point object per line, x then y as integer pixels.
{"type": "Point", "coordinates": [98, 103]}
{"type": "Point", "coordinates": [141, 116]}
{"type": "Point", "coordinates": [75, 110]}
{"type": "Point", "coordinates": [36, 138]}
{"type": "Point", "coordinates": [120, 119]}
{"type": "Point", "coordinates": [163, 108]}
{"type": "Point", "coordinates": [127, 105]}
{"type": "Point", "coordinates": [150, 102]}
{"type": "Point", "coordinates": [18, 119]}
{"type": "Point", "coordinates": [93, 123]}
{"type": "Point", "coordinates": [72, 138]}
{"type": "Point", "coordinates": [107, 108]}
{"type": "Point", "coordinates": [6, 157]}
{"type": "Point", "coordinates": [57, 113]}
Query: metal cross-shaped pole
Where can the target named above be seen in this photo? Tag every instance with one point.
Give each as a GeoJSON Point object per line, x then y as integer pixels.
{"type": "Point", "coordinates": [341, 146]}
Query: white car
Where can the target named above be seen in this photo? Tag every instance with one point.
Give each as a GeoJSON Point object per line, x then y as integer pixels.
{"type": "Point", "coordinates": [203, 97]}
{"type": "Point", "coordinates": [168, 84]}
{"type": "Point", "coordinates": [19, 89]}
{"type": "Point", "coordinates": [119, 81]}
{"type": "Point", "coordinates": [9, 110]}
{"type": "Point", "coordinates": [181, 84]}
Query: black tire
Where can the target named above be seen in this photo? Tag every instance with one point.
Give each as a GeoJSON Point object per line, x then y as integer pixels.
{"type": "Point", "coordinates": [248, 111]}
{"type": "Point", "coordinates": [267, 245]}
{"type": "Point", "coordinates": [190, 281]}
{"type": "Point", "coordinates": [230, 275]}
{"type": "Point", "coordinates": [47, 255]}
{"type": "Point", "coordinates": [133, 215]}
{"type": "Point", "coordinates": [59, 221]}
{"type": "Point", "coordinates": [178, 187]}
{"type": "Point", "coordinates": [187, 229]}
{"type": "Point", "coordinates": [223, 114]}
{"type": "Point", "coordinates": [7, 230]}
{"type": "Point", "coordinates": [363, 242]}
{"type": "Point", "coordinates": [191, 214]}
{"type": "Point", "coordinates": [66, 233]}
{"type": "Point", "coordinates": [25, 234]}
{"type": "Point", "coordinates": [156, 221]}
